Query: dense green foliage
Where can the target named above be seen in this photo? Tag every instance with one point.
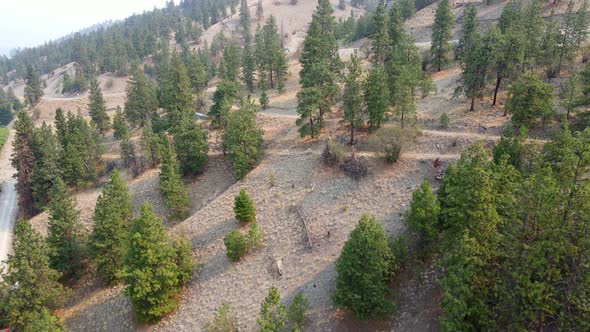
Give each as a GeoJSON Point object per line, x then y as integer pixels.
{"type": "Point", "coordinates": [271, 60]}
{"type": "Point", "coordinates": [112, 216]}
{"type": "Point", "coordinates": [353, 97]}
{"type": "Point", "coordinates": [235, 245]}
{"type": "Point", "coordinates": [141, 102]}
{"type": "Point", "coordinates": [64, 232]}
{"type": "Point", "coordinates": [33, 87]}
{"type": "Point", "coordinates": [364, 268]}
{"type": "Point", "coordinates": [242, 139]}
{"type": "Point", "coordinates": [422, 217]}
{"type": "Point", "coordinates": [190, 143]}
{"type": "Point", "coordinates": [151, 270]}
{"type": "Point", "coordinates": [97, 108]}
{"type": "Point", "coordinates": [244, 207]}
{"type": "Point", "coordinates": [531, 99]}
{"type": "Point", "coordinates": [171, 186]}
{"type": "Point", "coordinates": [29, 285]}
{"type": "Point", "coordinates": [441, 35]}
{"type": "Point", "coordinates": [3, 136]}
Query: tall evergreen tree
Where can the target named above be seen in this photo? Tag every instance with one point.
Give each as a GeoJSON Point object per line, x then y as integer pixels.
{"type": "Point", "coordinates": [120, 127]}
{"type": "Point", "coordinates": [23, 160]}
{"type": "Point", "coordinates": [441, 35]}
{"type": "Point", "coordinates": [469, 31]}
{"type": "Point", "coordinates": [270, 56]}
{"type": "Point", "coordinates": [531, 99]}
{"type": "Point", "coordinates": [364, 268]}
{"type": "Point", "coordinates": [141, 102]}
{"type": "Point", "coordinates": [376, 96]}
{"type": "Point", "coordinates": [229, 67]}
{"type": "Point", "coordinates": [242, 139]}
{"type": "Point", "coordinates": [176, 93]}
{"type": "Point", "coordinates": [197, 73]}
{"type": "Point", "coordinates": [112, 216]}
{"type": "Point", "coordinates": [477, 67]}
{"type": "Point", "coordinates": [509, 56]}
{"type": "Point", "coordinates": [171, 186]}
{"type": "Point", "coordinates": [380, 34]}
{"type": "Point", "coordinates": [151, 274]}
{"type": "Point", "coordinates": [320, 67]}
{"type": "Point", "coordinates": [46, 167]}
{"type": "Point", "coordinates": [422, 217]}
{"type": "Point", "coordinates": [353, 97]}
{"type": "Point", "coordinates": [33, 87]}
{"type": "Point", "coordinates": [223, 99]}
{"type": "Point", "coordinates": [97, 107]}
{"type": "Point", "coordinates": [190, 143]}
{"type": "Point", "coordinates": [30, 284]}
{"type": "Point", "coordinates": [150, 145]}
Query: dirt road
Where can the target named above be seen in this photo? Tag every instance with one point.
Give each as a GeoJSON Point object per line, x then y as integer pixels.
{"type": "Point", "coordinates": [8, 199]}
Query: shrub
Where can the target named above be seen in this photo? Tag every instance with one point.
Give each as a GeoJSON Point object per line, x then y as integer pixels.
{"type": "Point", "coordinates": [333, 153]}
{"type": "Point", "coordinates": [273, 315]}
{"type": "Point", "coordinates": [244, 207]}
{"type": "Point", "coordinates": [389, 141]}
{"type": "Point", "coordinates": [422, 217]}
{"type": "Point", "coordinates": [444, 121]}
{"type": "Point", "coordinates": [263, 100]}
{"type": "Point", "coordinates": [297, 312]}
{"type": "Point", "coordinates": [223, 320]}
{"type": "Point", "coordinates": [255, 237]}
{"type": "Point", "coordinates": [235, 245]}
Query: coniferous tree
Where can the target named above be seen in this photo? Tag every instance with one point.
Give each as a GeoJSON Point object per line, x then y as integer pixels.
{"type": "Point", "coordinates": [441, 35]}
{"type": "Point", "coordinates": [197, 73]}
{"type": "Point", "coordinates": [46, 167]}
{"type": "Point", "coordinates": [242, 139]}
{"type": "Point", "coordinates": [112, 216]}
{"type": "Point", "coordinates": [376, 96]}
{"type": "Point", "coordinates": [477, 67]}
{"type": "Point", "coordinates": [171, 186]}
{"type": "Point", "coordinates": [531, 99]}
{"type": "Point", "coordinates": [141, 102]}
{"type": "Point", "coordinates": [408, 8]}
{"type": "Point", "coordinates": [23, 160]}
{"type": "Point", "coordinates": [259, 11]}
{"type": "Point", "coordinates": [229, 67]}
{"type": "Point", "coordinates": [190, 143]}
{"type": "Point", "coordinates": [353, 97]}
{"type": "Point", "coordinates": [244, 207]}
{"type": "Point", "coordinates": [320, 67]}
{"type": "Point", "coordinates": [33, 87]}
{"type": "Point", "coordinates": [64, 239]}
{"type": "Point", "coordinates": [273, 315]}
{"type": "Point", "coordinates": [571, 94]}
{"type": "Point", "coordinates": [469, 32]}
{"type": "Point", "coordinates": [97, 107]}
{"type": "Point", "coordinates": [176, 96]}
{"type": "Point", "coordinates": [509, 56]}
{"type": "Point", "coordinates": [380, 35]}
{"type": "Point", "coordinates": [422, 217]}
{"type": "Point", "coordinates": [223, 99]}
{"type": "Point", "coordinates": [151, 274]}
{"type": "Point", "coordinates": [81, 153]}
{"type": "Point", "coordinates": [364, 268]}
{"type": "Point", "coordinates": [120, 127]}
{"type": "Point", "coordinates": [270, 56]}
{"type": "Point", "coordinates": [150, 145]}
{"type": "Point", "coordinates": [31, 285]}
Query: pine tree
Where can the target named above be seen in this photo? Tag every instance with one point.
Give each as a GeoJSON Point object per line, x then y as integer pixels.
{"type": "Point", "coordinates": [245, 19]}
{"type": "Point", "coordinates": [64, 232]}
{"type": "Point", "coordinates": [376, 96]}
{"type": "Point", "coordinates": [408, 8]}
{"type": "Point", "coordinates": [223, 99]}
{"type": "Point", "coordinates": [61, 127]}
{"type": "Point", "coordinates": [190, 143]}
{"type": "Point", "coordinates": [273, 315]}
{"type": "Point", "coordinates": [353, 97]}
{"type": "Point", "coordinates": [531, 99]}
{"type": "Point", "coordinates": [320, 68]}
{"type": "Point", "coordinates": [23, 160]}
{"type": "Point", "coordinates": [97, 107]}
{"type": "Point", "coordinates": [121, 129]}
{"type": "Point", "coordinates": [380, 35]}
{"type": "Point", "coordinates": [422, 217]}
{"type": "Point", "coordinates": [270, 56]}
{"type": "Point", "coordinates": [364, 268]}
{"type": "Point", "coordinates": [141, 102]}
{"type": "Point", "coordinates": [150, 145]}
{"type": "Point", "coordinates": [477, 67]}
{"type": "Point", "coordinates": [441, 35]}
{"type": "Point", "coordinates": [244, 207]}
{"type": "Point", "coordinates": [259, 11]}
{"type": "Point", "coordinates": [395, 25]}
{"type": "Point", "coordinates": [263, 100]}
{"type": "Point", "coordinates": [469, 32]}
{"type": "Point", "coordinates": [150, 271]}
{"type": "Point", "coordinates": [32, 283]}
{"type": "Point", "coordinates": [571, 94]}
{"type": "Point", "coordinates": [46, 167]}
{"type": "Point", "coordinates": [171, 186]}
{"type": "Point", "coordinates": [176, 96]}
{"type": "Point", "coordinates": [248, 67]}
{"type": "Point", "coordinates": [112, 216]}
{"type": "Point", "coordinates": [197, 73]}
{"type": "Point", "coordinates": [509, 57]}
{"type": "Point", "coordinates": [33, 88]}
{"type": "Point", "coordinates": [229, 67]}
{"type": "Point", "coordinates": [242, 139]}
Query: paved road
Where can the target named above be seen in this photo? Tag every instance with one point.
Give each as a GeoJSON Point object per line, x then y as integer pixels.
{"type": "Point", "coordinates": [8, 198]}
{"type": "Point", "coordinates": [8, 208]}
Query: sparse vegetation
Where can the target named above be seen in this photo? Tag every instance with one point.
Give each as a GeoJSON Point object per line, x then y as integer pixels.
{"type": "Point", "coordinates": [244, 207]}
{"type": "Point", "coordinates": [389, 141]}
{"type": "Point", "coordinates": [444, 121]}
{"type": "Point", "coordinates": [224, 320]}
{"type": "Point", "coordinates": [333, 153]}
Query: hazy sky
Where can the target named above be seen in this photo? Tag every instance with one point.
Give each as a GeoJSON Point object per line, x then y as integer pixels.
{"type": "Point", "coordinates": [26, 23]}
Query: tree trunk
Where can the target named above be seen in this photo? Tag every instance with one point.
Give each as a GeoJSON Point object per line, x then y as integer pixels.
{"type": "Point", "coordinates": [311, 126]}
{"type": "Point", "coordinates": [351, 134]}
{"type": "Point", "coordinates": [472, 103]}
{"type": "Point", "coordinates": [498, 80]}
